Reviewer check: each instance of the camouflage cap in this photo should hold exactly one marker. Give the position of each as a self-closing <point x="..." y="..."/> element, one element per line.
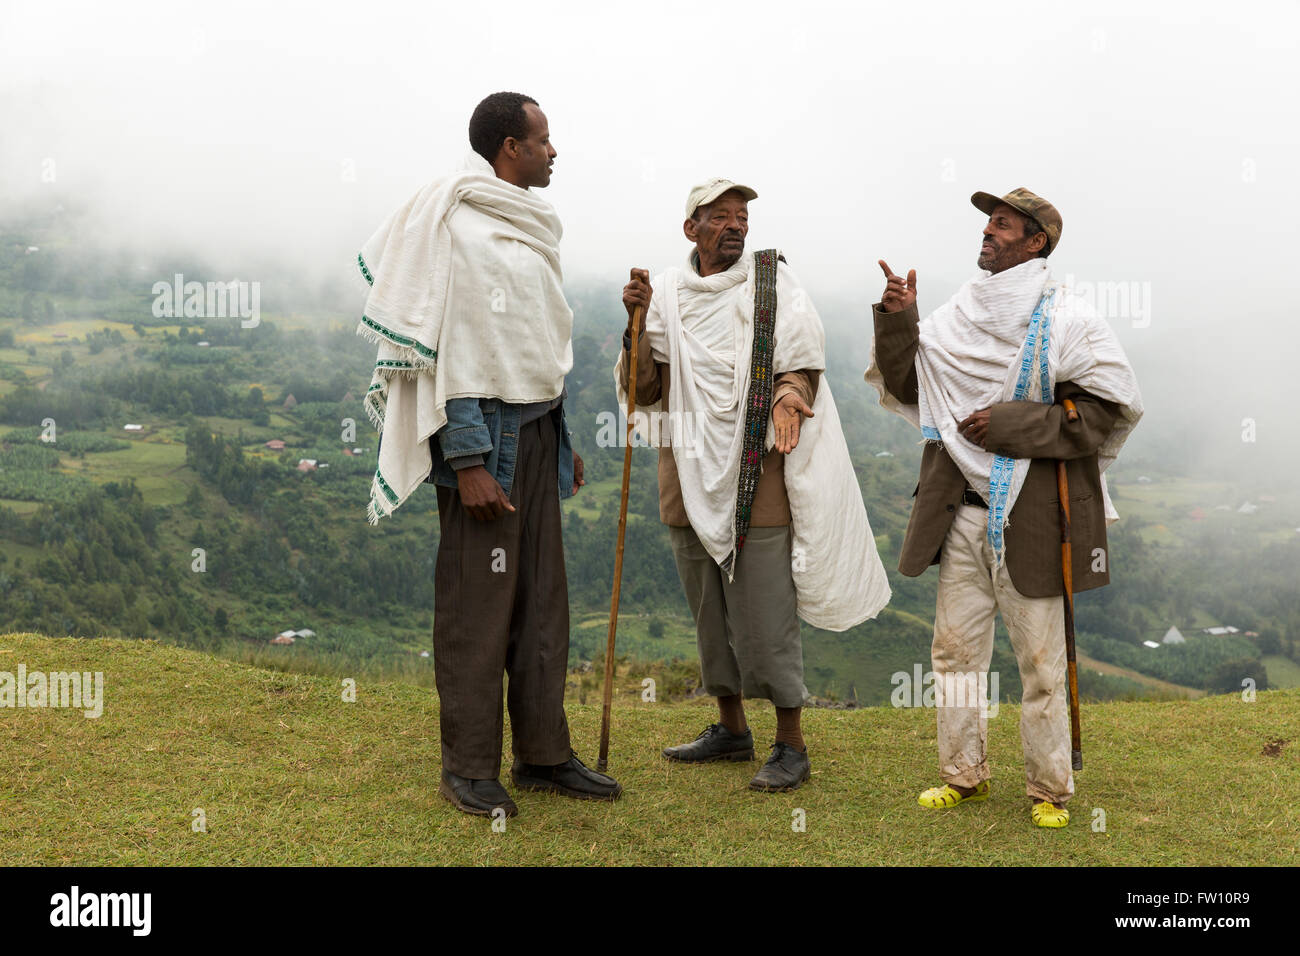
<point x="1022" y="200"/>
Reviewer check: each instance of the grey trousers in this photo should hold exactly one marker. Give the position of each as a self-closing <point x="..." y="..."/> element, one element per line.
<point x="501" y="607"/>
<point x="747" y="630"/>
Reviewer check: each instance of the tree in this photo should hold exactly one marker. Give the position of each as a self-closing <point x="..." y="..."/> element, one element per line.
<point x="1228" y="677"/>
<point x="1268" y="642"/>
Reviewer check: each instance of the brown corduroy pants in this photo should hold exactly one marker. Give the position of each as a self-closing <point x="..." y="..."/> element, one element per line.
<point x="501" y="607"/>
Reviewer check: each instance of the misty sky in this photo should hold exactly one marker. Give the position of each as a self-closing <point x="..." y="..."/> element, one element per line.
<point x="1165" y="133"/>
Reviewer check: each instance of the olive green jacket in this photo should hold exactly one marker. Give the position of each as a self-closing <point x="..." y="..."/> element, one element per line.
<point x="1017" y="430"/>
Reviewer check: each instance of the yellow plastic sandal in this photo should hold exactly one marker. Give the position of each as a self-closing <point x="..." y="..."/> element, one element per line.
<point x="1046" y="815"/>
<point x="938" y="798"/>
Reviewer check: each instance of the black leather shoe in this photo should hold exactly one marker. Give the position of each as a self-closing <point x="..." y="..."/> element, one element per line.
<point x="479" y="797"/>
<point x="571" y="779"/>
<point x="785" y="769"/>
<point x="715" y="743"/>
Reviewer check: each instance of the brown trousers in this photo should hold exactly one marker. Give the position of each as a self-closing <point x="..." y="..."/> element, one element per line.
<point x="501" y="606"/>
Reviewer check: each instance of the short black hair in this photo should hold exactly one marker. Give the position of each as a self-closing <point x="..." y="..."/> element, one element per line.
<point x="498" y="116"/>
<point x="1033" y="228"/>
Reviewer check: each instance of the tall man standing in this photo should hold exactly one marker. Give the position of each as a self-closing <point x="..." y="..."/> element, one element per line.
<point x="767" y="523"/>
<point x="984" y="377"/>
<point x="467" y="306"/>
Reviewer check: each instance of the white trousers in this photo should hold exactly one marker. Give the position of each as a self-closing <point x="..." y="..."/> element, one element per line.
<point x="971" y="592"/>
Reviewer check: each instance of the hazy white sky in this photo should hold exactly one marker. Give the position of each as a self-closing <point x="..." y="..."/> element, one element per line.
<point x="1165" y="133"/>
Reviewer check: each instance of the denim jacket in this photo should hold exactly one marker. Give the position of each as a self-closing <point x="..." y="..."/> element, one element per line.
<point x="490" y="427"/>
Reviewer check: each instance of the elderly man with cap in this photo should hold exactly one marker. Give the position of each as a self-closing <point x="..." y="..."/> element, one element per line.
<point x="985" y="377"/>
<point x="755" y="481"/>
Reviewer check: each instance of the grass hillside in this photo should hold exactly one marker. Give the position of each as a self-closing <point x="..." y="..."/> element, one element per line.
<point x="286" y="772"/>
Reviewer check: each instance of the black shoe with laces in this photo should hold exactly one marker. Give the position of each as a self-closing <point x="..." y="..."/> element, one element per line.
<point x="715" y="743"/>
<point x="571" y="779"/>
<point x="785" y="769"/>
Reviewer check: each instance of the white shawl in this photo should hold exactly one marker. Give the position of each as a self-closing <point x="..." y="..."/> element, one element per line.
<point x="983" y="344"/>
<point x="465" y="300"/>
<point x="703" y="328"/>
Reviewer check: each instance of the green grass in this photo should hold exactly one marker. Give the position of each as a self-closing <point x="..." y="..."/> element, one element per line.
<point x="589" y="499"/>
<point x="285" y="772"/>
<point x="44" y="334"/>
<point x="591" y="631"/>
<point x="1282" y="671"/>
<point x="1167" y="505"/>
<point x="157" y="464"/>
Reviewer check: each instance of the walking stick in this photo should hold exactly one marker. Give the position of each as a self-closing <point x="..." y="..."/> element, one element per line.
<point x="602" y="761"/>
<point x="1067" y="569"/>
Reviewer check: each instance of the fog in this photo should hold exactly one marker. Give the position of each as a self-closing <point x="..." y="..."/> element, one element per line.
<point x="252" y="134"/>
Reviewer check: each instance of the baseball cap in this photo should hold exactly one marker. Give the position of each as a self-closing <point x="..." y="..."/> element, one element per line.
<point x="1022" y="200"/>
<point x="706" y="192"/>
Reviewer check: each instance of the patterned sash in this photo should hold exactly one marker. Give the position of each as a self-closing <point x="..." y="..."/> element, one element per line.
<point x="758" y="406"/>
<point x="1037" y="341"/>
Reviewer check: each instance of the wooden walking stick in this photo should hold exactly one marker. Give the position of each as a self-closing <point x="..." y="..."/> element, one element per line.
<point x="1067" y="575"/>
<point x="602" y="761"/>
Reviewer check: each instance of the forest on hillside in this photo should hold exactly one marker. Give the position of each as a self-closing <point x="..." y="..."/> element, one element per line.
<point x="192" y="530"/>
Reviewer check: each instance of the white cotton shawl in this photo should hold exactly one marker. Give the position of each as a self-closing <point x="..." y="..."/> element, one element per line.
<point x="971" y="354"/>
<point x="465" y="300"/>
<point x="703" y="328"/>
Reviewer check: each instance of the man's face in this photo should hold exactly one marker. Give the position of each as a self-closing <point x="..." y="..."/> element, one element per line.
<point x="719" y="229"/>
<point x="536" y="154"/>
<point x="1005" y="243"/>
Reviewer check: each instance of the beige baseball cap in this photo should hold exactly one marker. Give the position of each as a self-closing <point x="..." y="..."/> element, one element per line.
<point x="705" y="193"/>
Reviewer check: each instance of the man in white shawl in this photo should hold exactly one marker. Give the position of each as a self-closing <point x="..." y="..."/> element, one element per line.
<point x="466" y="303"/>
<point x="984" y="377"/>
<point x="755" y="481"/>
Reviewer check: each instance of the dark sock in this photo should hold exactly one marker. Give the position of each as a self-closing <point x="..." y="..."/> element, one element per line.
<point x="731" y="712"/>
<point x="787" y="727"/>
